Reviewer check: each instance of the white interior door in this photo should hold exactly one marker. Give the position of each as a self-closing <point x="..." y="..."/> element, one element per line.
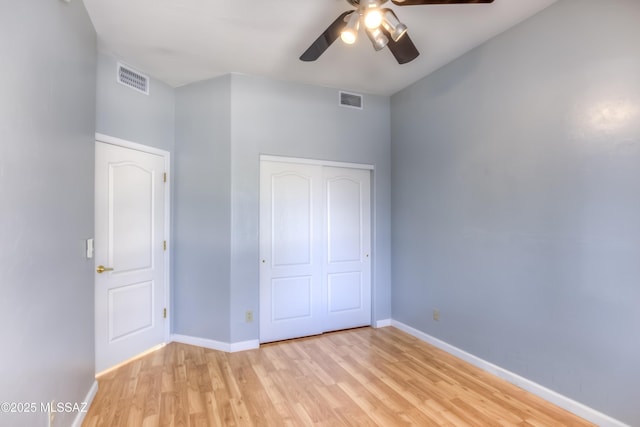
<point x="129" y="245"/>
<point x="315" y="239"/>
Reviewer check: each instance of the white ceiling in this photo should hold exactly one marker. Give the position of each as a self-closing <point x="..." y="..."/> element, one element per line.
<point x="182" y="41"/>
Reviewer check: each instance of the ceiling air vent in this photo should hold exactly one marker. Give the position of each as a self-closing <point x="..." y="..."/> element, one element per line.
<point x="351" y="100"/>
<point x="133" y="79"/>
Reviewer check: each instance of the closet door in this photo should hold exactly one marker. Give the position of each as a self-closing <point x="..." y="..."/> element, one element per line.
<point x="315" y="246"/>
<point x="347" y="267"/>
<point x="291" y="251"/>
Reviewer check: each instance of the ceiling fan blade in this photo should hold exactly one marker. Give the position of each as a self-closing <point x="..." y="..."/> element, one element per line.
<point x="403" y="50"/>
<point x="419" y="2"/>
<point x="325" y="40"/>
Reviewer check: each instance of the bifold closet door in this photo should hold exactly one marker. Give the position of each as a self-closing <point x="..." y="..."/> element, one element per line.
<point x="315" y="243"/>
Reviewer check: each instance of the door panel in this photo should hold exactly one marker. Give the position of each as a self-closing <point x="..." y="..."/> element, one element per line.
<point x="292" y="298"/>
<point x="130" y="310"/>
<point x="291" y="222"/>
<point x="345" y="291"/>
<point x="344" y="220"/>
<point x="130" y="223"/>
<point x="129" y="237"/>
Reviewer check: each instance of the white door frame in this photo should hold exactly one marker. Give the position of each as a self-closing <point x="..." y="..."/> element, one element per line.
<point x="331" y="163"/>
<point x="99" y="137"/>
<point x="303" y="161"/>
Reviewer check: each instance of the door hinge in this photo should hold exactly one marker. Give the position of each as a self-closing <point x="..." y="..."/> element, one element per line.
<point x="165" y="177"/>
<point x="164" y="245"/>
<point x="164" y="313"/>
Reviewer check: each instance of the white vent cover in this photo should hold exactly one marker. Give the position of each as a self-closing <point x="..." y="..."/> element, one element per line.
<point x="133" y="79"/>
<point x="351" y="100"/>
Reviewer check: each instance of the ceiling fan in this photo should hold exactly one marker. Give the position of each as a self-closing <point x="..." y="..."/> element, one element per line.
<point x="381" y="25"/>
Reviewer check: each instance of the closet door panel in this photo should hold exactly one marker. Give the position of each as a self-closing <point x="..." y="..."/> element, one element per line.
<point x="290" y="229"/>
<point x="347" y="269"/>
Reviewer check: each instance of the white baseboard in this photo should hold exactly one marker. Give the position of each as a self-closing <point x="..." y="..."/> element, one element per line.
<point x="216" y="345"/>
<point x="87" y="399"/>
<point x="244" y="345"/>
<point x="383" y="323"/>
<point x="201" y="342"/>
<point x="549" y="395"/>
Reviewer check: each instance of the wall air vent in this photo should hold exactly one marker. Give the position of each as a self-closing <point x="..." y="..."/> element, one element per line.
<point x="350" y="100"/>
<point x="133" y="79"/>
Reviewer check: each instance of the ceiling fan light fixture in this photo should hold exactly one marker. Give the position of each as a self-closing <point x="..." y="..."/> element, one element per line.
<point x="378" y="38"/>
<point x="349" y="33"/>
<point x="381" y="25"/>
<point x="393" y="26"/>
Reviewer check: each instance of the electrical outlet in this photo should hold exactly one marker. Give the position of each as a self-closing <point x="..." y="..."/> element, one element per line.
<point x="248" y="316"/>
<point x="436" y="314"/>
<point x="52" y="412"/>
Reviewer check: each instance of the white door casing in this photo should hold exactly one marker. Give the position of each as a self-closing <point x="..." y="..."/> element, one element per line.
<point x="130" y="221"/>
<point x="315" y="241"/>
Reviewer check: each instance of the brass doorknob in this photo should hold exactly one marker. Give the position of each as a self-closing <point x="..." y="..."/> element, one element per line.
<point x="101" y="269"/>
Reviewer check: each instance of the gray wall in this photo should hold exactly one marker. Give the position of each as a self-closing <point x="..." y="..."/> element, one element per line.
<point x="287" y="119"/>
<point x="47" y="121"/>
<point x="516" y="202"/>
<point x="125" y="113"/>
<point x="202" y="210"/>
<point x="222" y="127"/>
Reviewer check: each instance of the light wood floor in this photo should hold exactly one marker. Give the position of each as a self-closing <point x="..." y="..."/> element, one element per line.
<point x="360" y="377"/>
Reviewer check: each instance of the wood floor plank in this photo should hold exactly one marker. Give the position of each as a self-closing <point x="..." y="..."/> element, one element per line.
<point x="359" y="377"/>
